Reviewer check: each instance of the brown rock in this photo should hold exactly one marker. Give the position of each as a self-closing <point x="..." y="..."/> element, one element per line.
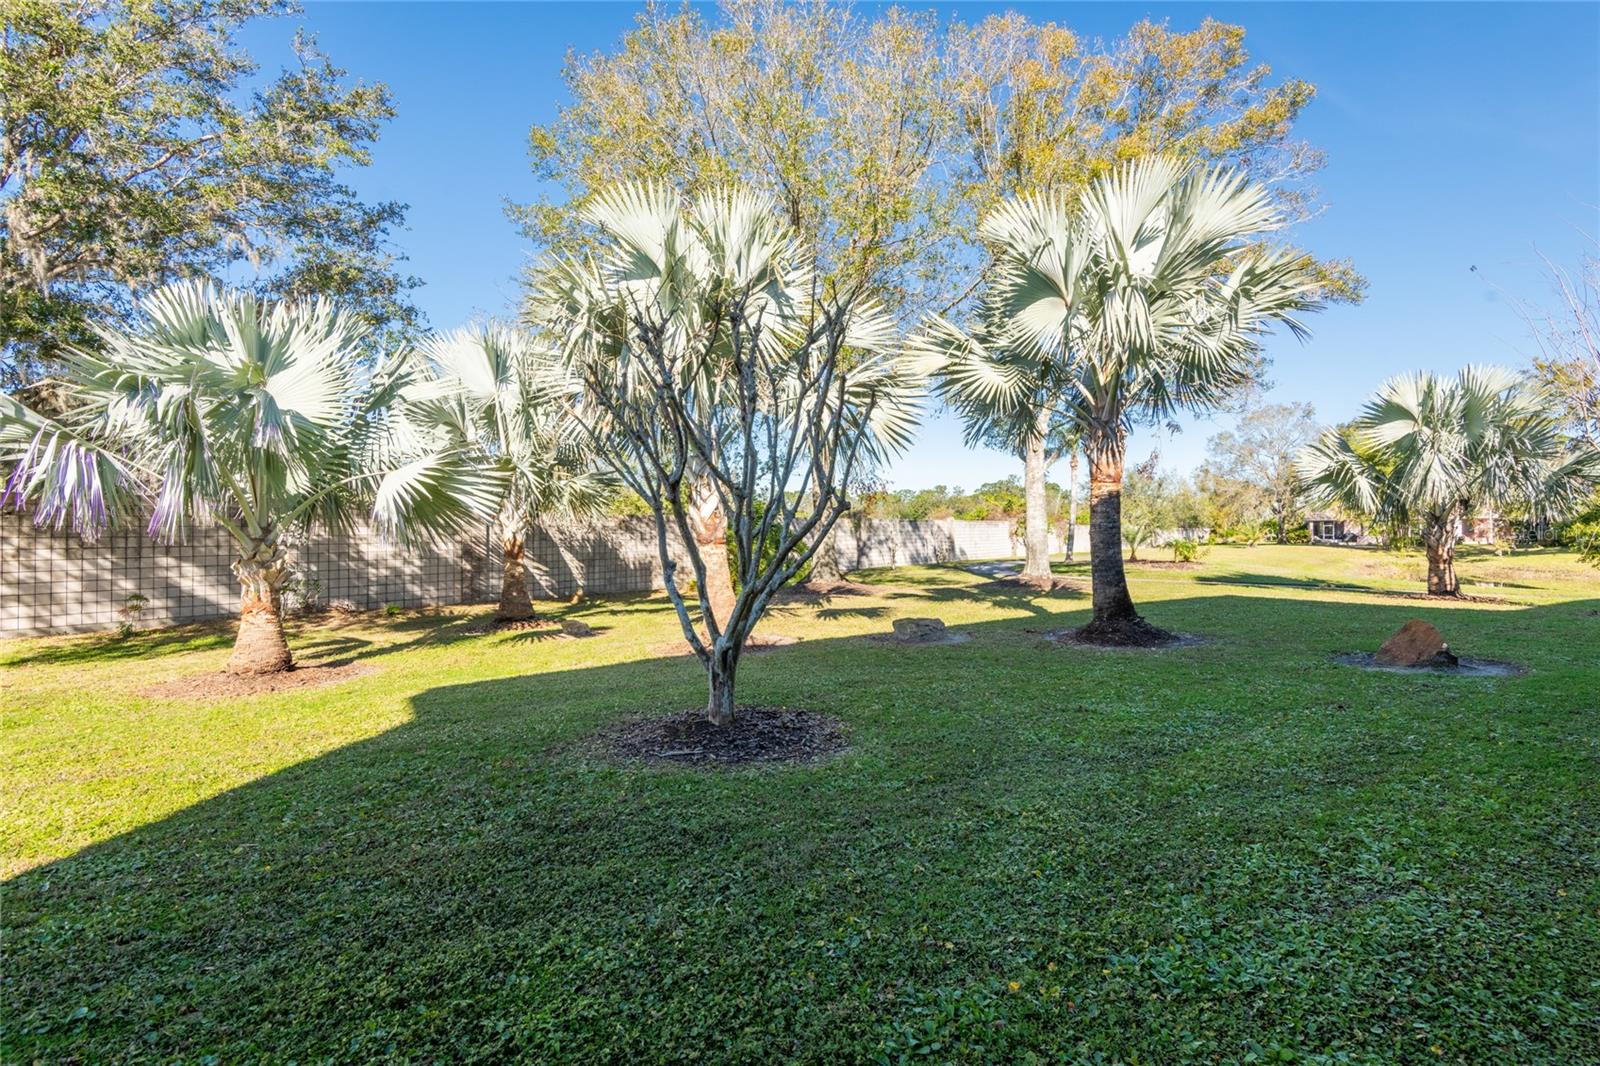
<point x="574" y="628"/>
<point x="919" y="630"/>
<point x="1415" y="644"/>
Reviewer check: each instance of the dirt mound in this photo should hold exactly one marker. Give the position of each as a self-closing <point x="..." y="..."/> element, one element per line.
<point x="757" y="735"/>
<point x="757" y="644"/>
<point x="1415" y="644"/>
<point x="219" y="686"/>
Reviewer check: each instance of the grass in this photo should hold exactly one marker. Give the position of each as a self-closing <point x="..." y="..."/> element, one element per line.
<point x="1230" y="853"/>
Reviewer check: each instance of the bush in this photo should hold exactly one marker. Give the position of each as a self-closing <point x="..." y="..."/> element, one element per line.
<point x="1185" y="551"/>
<point x="1582" y="534"/>
<point x="1299" y="535"/>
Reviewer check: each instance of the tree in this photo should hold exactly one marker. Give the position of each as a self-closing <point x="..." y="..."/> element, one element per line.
<point x="1430" y="451"/>
<point x="1040" y="439"/>
<point x="1149" y="505"/>
<point x="712" y="355"/>
<point x="134" y="151"/>
<point x="492" y="391"/>
<point x="1567" y="363"/>
<point x="254" y="415"/>
<point x="1228" y="506"/>
<point x="1260" y="452"/>
<point x="1144" y="297"/>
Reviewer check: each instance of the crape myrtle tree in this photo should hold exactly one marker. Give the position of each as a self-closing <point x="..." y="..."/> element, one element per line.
<point x="493" y="392"/>
<point x="1429" y="451"/>
<point x="1145" y="296"/>
<point x="219" y="407"/>
<point x="716" y="364"/>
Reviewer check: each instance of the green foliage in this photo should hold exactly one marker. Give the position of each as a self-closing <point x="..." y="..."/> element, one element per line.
<point x="1582" y="534"/>
<point x="1185" y="551"/>
<point x="766" y="555"/>
<point x="1209" y="856"/>
<point x="888" y="183"/>
<point x="139" y="147"/>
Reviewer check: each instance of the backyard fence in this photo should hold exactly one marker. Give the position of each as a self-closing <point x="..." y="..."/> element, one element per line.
<point x="58" y="583"/>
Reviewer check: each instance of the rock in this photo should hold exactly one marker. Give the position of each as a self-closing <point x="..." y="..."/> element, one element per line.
<point x="1415" y="644"/>
<point x="919" y="630"/>
<point x="574" y="628"/>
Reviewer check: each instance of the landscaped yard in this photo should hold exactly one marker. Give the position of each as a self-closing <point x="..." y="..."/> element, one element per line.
<point x="1240" y="849"/>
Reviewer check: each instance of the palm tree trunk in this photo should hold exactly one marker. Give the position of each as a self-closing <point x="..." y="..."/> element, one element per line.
<point x="1036" y="518"/>
<point x="260" y="647"/>
<point x="709" y="526"/>
<point x="825" y="570"/>
<point x="1115" y="620"/>
<point x="515" y="603"/>
<point x="1072" y="506"/>
<point x="1440" y="541"/>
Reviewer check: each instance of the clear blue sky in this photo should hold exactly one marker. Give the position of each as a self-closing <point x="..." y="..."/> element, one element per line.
<point x="1457" y="136"/>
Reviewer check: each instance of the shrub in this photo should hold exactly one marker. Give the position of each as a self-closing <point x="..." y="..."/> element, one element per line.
<point x="1185" y="551"/>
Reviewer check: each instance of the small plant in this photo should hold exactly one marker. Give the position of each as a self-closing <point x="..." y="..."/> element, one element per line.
<point x="131" y="608"/>
<point x="302" y="595"/>
<point x="391" y="609"/>
<point x="1185" y="551"/>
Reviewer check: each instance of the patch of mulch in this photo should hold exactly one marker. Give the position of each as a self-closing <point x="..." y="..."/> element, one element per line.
<point x="757" y="736"/>
<point x="222" y="685"/>
<point x="1140" y="636"/>
<point x="755" y="644"/>
<point x="1465" y="666"/>
<point x="1056" y="586"/>
<point x="1161" y="564"/>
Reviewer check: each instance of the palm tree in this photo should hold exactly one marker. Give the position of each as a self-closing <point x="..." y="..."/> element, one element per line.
<point x="1430" y="451"/>
<point x="493" y="392"/>
<point x="254" y="415"/>
<point x="1146" y="296"/>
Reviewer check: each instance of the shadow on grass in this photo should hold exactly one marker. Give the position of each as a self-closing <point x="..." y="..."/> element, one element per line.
<point x="456" y="888"/>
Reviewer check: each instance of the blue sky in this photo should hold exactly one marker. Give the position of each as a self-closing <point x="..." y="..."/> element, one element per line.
<point x="1458" y="136"/>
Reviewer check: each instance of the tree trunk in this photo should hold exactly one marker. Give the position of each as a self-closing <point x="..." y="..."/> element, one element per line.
<point x="1115" y="620"/>
<point x="825" y="571"/>
<point x="709" y="525"/>
<point x="1072" y="506"/>
<point x="720" y="673"/>
<point x="260" y="647"/>
<point x="1440" y="542"/>
<point x="515" y="603"/>
<point x="1036" y="520"/>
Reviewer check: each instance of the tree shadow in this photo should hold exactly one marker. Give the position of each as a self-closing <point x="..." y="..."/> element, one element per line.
<point x="441" y="890"/>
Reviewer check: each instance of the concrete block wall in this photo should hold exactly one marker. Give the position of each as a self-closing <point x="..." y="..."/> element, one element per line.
<point x="57" y="583"/>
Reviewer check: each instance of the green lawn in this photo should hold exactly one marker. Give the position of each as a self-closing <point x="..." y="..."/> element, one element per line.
<point x="1228" y="853"/>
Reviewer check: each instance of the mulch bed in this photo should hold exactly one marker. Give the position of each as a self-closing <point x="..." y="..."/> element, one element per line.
<point x="757" y="736"/>
<point x="1465" y="666"/>
<point x="1161" y="564"/>
<point x="223" y="685"/>
<point x="1145" y="638"/>
<point x="1056" y="586"/>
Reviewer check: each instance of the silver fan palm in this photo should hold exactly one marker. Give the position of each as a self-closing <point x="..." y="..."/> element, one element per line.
<point x="218" y="407"/>
<point x="1429" y="451"/>
<point x="1147" y="296"/>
